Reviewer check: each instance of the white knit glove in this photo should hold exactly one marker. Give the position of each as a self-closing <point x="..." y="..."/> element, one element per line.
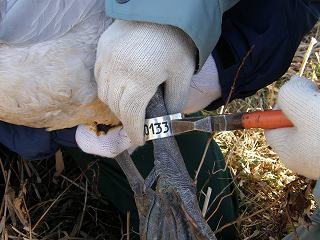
<point x="105" y="145"/>
<point x="299" y="147"/>
<point x="133" y="59"/>
<point x="204" y="88"/>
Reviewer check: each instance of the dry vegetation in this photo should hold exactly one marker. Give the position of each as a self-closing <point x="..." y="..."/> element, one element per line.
<point x="37" y="205"/>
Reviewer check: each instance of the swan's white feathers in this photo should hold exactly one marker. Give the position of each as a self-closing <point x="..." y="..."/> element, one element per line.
<point x="50" y="83"/>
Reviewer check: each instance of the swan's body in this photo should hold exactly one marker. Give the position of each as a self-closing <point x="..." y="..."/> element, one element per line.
<point x="49" y="83"/>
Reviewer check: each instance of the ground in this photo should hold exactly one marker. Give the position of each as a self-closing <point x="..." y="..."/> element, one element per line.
<point x="269" y="193"/>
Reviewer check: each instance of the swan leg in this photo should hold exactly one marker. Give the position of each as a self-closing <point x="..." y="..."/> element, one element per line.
<point x="172" y="211"/>
<point x="180" y="214"/>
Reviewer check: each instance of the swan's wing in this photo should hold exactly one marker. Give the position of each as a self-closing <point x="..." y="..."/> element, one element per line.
<point x="31" y="21"/>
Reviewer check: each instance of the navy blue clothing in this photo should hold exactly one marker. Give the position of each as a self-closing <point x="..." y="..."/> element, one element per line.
<point x="274" y="27"/>
<point x="35" y="143"/>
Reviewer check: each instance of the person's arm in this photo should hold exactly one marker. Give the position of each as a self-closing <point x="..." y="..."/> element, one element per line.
<point x="200" y="20"/>
<point x="273" y="29"/>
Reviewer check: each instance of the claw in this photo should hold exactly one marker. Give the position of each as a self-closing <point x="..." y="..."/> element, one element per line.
<point x="151" y="179"/>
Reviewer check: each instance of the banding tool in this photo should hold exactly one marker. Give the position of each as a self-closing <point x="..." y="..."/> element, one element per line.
<point x="175" y="124"/>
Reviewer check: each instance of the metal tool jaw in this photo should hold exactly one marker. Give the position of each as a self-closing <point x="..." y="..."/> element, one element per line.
<point x="202" y="124"/>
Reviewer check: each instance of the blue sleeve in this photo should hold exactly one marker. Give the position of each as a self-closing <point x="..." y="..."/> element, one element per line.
<point x="274" y="28"/>
<point x="200" y="19"/>
<point x="35" y="143"/>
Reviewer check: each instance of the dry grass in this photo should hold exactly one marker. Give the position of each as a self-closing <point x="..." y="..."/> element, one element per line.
<point x="38" y="205"/>
<point x="72" y="209"/>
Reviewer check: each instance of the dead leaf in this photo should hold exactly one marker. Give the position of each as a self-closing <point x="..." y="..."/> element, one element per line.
<point x="9" y="199"/>
<point x="59" y="163"/>
<point x="20" y="211"/>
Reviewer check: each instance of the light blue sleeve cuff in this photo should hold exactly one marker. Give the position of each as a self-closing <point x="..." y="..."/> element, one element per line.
<point x="200" y="19"/>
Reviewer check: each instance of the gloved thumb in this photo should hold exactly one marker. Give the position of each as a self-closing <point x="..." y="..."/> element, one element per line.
<point x="177" y="88"/>
<point x="109" y="145"/>
<point x="278" y="140"/>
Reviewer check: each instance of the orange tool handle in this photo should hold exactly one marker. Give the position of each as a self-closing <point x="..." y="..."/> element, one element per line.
<point x="266" y="119"/>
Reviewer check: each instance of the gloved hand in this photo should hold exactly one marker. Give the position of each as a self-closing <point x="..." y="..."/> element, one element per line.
<point x="299" y="147"/>
<point x="109" y="145"/>
<point x="133" y="59"/>
<point x="204" y="88"/>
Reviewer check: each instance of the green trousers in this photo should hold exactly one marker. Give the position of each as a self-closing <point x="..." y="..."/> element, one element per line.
<point x="113" y="185"/>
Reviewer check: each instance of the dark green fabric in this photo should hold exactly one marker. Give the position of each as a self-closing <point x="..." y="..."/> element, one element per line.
<point x="114" y="187"/>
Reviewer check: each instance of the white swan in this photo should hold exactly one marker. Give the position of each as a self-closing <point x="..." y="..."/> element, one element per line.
<point x="47" y="55"/>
